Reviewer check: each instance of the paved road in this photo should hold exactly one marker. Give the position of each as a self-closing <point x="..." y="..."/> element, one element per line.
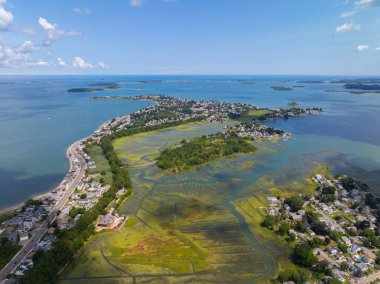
<point x="330" y="221"/>
<point x="368" y="279"/>
<point x="42" y="230"/>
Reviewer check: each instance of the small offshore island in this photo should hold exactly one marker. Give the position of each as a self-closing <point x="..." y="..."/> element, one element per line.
<point x="185" y="229"/>
<point x="95" y="88"/>
<point x="282" y="88"/>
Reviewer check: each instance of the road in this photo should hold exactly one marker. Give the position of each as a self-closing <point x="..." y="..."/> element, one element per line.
<point x="327" y="257"/>
<point x="328" y="219"/>
<point x="42" y="230"/>
<point x="370" y="278"/>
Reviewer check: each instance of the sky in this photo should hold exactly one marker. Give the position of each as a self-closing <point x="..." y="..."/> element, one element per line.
<point x="164" y="37"/>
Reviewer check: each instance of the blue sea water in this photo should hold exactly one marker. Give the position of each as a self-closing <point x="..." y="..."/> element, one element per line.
<point x="39" y="119"/>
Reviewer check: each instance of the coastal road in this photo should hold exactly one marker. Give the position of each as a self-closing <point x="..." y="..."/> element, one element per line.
<point x="42" y="230"/>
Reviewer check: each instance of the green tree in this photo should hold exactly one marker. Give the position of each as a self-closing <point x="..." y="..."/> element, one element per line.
<point x="343" y="247"/>
<point x="344" y="266"/>
<point x="303" y="256"/>
<point x="301" y="227"/>
<point x="295" y="203"/>
<point x="284" y="228"/>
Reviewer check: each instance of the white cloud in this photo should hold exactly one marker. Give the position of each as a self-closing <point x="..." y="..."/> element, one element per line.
<point x="363" y="4"/>
<point x="136" y="3"/>
<point x="347" y="27"/>
<point x="29" y="31"/>
<point x="360" y="5"/>
<point x="20" y="57"/>
<point x="6" y="17"/>
<point x="38" y="63"/>
<point x="27" y="47"/>
<point x="53" y="32"/>
<point x="79" y="62"/>
<point x="78" y="10"/>
<point x="61" y="62"/>
<point x="378" y="48"/>
<point x="102" y="65"/>
<point x="347" y="14"/>
<point x="362" y="47"/>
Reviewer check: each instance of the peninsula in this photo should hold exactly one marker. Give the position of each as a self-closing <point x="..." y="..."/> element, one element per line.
<point x="88" y="200"/>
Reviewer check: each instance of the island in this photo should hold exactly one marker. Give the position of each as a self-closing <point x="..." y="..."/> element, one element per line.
<point x="311" y="82"/>
<point x="353" y="81"/>
<point x="293" y="104"/>
<point x="106" y="85"/>
<point x="201" y="151"/>
<point x="363" y="87"/>
<point x="150" y="81"/>
<point x="83" y="90"/>
<point x="95" y="88"/>
<point x="282" y="88"/>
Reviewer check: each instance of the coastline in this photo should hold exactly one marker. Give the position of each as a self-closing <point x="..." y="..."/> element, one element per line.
<point x="149" y="98"/>
<point x="52" y="215"/>
<point x="12" y="208"/>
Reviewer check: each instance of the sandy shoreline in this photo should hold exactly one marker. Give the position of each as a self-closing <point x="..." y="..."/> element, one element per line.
<point x="11" y="208"/>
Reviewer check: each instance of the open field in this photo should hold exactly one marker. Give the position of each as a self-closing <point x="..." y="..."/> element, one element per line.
<point x="200" y="226"/>
<point x="254" y="114"/>
<point x="102" y="164"/>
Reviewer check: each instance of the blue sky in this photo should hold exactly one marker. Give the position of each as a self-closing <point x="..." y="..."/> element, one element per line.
<point x="337" y="37"/>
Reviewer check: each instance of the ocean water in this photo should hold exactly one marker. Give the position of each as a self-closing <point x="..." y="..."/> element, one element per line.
<point x="39" y="119"/>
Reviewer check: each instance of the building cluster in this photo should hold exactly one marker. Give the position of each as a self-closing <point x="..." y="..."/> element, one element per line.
<point x="256" y="131"/>
<point x="346" y="226"/>
<point x="28" y="218"/>
<point x="285" y="113"/>
<point x="170" y="109"/>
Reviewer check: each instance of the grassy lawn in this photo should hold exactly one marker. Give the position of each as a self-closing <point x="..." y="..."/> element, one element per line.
<point x="102" y="164"/>
<point x="254" y="114"/>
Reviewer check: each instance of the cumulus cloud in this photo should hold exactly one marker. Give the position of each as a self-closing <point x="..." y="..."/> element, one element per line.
<point x="6" y="17"/>
<point x="53" y="32"/>
<point x="27" y="47"/>
<point x="19" y="57"/>
<point x="362" y="47"/>
<point x="61" y="62"/>
<point x="38" y="63"/>
<point x="347" y="27"/>
<point x="79" y="62"/>
<point x="360" y="5"/>
<point x="136" y="3"/>
<point x="78" y="10"/>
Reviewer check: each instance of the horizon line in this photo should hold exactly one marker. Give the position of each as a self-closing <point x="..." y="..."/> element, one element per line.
<point x="167" y="75"/>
